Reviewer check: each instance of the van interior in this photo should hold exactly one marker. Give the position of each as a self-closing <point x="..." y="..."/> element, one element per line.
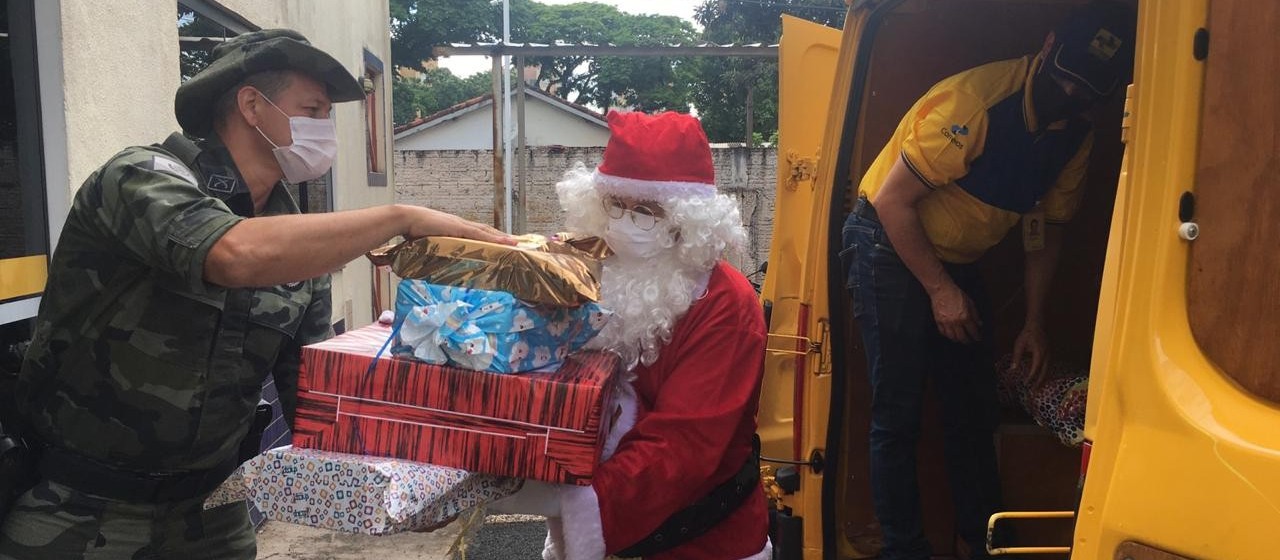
<point x="912" y="45"/>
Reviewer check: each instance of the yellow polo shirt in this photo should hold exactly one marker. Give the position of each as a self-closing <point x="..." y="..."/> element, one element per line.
<point x="972" y="138"/>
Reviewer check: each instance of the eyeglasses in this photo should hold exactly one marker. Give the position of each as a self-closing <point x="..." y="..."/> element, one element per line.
<point x="644" y="215"/>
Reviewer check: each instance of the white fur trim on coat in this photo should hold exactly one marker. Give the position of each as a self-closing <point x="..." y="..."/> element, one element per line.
<point x="644" y="189"/>
<point x="553" y="547"/>
<point x="579" y="534"/>
<point x="625" y="401"/>
<point x="765" y="553"/>
<point x="583" y="536"/>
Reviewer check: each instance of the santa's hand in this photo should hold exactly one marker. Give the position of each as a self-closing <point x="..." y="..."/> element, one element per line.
<point x="533" y="498"/>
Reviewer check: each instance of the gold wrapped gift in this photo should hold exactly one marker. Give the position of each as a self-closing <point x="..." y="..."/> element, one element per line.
<point x="564" y="272"/>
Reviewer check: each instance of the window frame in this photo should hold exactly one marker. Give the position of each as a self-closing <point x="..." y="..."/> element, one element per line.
<point x="220" y="14"/>
<point x="376" y="148"/>
<point x="233" y="23"/>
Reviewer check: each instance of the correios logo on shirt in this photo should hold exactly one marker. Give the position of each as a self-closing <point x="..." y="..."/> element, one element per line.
<point x="954" y="133"/>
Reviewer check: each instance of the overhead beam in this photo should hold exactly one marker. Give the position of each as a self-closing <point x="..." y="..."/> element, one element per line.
<point x="498" y="49"/>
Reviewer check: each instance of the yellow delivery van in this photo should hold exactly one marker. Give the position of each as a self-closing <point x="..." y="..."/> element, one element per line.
<point x="1167" y="294"/>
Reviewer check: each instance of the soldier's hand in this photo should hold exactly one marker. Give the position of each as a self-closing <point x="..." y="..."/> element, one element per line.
<point x="423" y="222"/>
<point x="956" y="315"/>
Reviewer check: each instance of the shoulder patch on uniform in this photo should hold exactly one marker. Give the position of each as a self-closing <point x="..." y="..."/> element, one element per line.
<point x="171" y="167"/>
<point x="222" y="184"/>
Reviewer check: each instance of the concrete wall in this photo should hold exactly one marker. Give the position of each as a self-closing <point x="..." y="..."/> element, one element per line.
<point x="545" y="125"/>
<point x="119" y="71"/>
<point x="461" y="182"/>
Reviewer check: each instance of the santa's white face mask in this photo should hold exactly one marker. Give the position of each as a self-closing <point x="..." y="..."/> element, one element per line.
<point x="630" y="242"/>
<point x="314" y="147"/>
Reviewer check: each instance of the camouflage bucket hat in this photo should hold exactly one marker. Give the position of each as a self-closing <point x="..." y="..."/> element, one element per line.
<point x="259" y="51"/>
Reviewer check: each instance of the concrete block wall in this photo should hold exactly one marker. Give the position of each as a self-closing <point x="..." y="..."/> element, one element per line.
<point x="461" y="182"/>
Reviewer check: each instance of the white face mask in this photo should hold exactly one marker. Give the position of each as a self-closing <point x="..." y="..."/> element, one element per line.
<point x="632" y="243"/>
<point x="314" y="147"/>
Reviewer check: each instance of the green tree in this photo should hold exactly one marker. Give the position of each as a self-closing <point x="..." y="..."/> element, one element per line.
<point x="650" y="84"/>
<point x="193" y="59"/>
<point x="437" y="89"/>
<point x="417" y="26"/>
<point x="646" y="83"/>
<point x="723" y="84"/>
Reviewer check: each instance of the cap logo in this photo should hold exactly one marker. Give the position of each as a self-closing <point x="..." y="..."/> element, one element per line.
<point x="1104" y="45"/>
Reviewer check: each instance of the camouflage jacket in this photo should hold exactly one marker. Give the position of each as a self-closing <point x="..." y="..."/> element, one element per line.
<point x="137" y="362"/>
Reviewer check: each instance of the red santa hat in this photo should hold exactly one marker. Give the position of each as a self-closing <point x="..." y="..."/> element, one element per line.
<point x="653" y="157"/>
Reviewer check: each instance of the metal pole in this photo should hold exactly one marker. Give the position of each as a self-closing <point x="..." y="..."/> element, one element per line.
<point x="522" y="195"/>
<point x="499" y="200"/>
<point x="750" y="114"/>
<point x="506" y="115"/>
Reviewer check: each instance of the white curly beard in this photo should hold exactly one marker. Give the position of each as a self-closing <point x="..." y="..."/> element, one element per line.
<point x="646" y="305"/>
<point x="649" y="297"/>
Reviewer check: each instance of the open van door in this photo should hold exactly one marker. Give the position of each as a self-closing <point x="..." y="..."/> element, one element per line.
<point x="1185" y="398"/>
<point x="797" y="361"/>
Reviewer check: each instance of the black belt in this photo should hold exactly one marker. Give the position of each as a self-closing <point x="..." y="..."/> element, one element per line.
<point x="91" y="477"/>
<point x="704" y="514"/>
<point x="863" y="209"/>
<point x="16" y="472"/>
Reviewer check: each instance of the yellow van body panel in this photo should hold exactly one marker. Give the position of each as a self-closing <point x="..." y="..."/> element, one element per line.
<point x="797" y="263"/>
<point x="1183" y="459"/>
<point x="23" y="276"/>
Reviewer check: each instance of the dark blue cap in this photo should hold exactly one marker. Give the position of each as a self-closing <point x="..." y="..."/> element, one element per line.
<point x="1094" y="46"/>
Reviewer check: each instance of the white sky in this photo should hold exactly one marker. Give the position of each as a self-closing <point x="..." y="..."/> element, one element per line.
<point x="463" y="66"/>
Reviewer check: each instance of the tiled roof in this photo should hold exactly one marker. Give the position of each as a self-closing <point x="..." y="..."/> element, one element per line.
<point x="583" y="111"/>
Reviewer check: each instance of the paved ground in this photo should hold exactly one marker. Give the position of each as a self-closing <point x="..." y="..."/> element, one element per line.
<point x="503" y="537"/>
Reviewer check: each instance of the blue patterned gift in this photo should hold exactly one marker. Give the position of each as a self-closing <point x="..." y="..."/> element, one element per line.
<point x="487" y="330"/>
<point x="358" y="494"/>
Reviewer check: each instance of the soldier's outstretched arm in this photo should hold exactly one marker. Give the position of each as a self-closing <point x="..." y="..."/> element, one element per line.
<point x="279" y="249"/>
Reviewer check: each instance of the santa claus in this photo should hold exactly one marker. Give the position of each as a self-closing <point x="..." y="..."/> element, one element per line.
<point x="680" y="477"/>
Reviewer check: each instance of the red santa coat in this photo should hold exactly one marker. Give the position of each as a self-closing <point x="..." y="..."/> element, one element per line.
<point x="693" y="430"/>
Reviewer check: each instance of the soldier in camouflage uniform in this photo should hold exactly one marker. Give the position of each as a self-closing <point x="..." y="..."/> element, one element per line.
<point x="183" y="277"/>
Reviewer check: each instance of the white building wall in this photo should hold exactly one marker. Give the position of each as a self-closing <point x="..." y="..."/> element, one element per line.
<point x="472" y="130"/>
<point x="118" y="79"/>
<point x="545" y="125"/>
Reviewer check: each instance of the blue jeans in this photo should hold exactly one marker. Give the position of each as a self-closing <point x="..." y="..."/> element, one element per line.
<point x="904" y="347"/>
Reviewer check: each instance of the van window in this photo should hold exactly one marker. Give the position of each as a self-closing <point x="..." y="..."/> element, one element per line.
<point x="24" y="234"/>
<point x="1235" y="265"/>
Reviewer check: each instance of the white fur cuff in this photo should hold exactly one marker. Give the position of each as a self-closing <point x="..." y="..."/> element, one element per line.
<point x="583" y="529"/>
<point x="553" y="547"/>
<point x="625" y="402"/>
<point x="765" y="554"/>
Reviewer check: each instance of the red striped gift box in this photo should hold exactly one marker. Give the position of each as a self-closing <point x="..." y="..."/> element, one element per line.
<point x="543" y="426"/>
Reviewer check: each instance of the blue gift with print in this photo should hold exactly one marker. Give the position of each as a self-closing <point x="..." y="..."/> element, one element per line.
<point x="487" y="330"/>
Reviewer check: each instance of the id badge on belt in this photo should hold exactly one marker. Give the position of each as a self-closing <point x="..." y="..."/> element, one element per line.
<point x="1033" y="230"/>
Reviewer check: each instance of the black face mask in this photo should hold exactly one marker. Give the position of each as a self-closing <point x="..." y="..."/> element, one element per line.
<point x="1051" y="103"/>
